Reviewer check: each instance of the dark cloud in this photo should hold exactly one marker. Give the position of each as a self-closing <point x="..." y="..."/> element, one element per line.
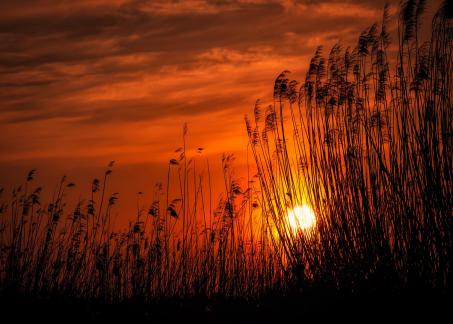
<point x="125" y="61"/>
<point x="91" y="33"/>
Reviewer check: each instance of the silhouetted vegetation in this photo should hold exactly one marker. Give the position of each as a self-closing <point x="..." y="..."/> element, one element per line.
<point x="365" y="140"/>
<point x="369" y="147"/>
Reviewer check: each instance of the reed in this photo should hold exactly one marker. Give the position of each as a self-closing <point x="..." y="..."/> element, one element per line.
<point x="180" y="248"/>
<point x="366" y="141"/>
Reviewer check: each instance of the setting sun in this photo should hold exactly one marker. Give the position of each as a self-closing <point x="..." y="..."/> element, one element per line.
<point x="301" y="217"/>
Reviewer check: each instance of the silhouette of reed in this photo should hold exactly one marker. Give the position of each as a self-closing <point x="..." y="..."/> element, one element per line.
<point x="365" y="140"/>
<point x="367" y="146"/>
<point x="180" y="247"/>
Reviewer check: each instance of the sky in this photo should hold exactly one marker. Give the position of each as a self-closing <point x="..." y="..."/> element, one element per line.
<point x="86" y="82"/>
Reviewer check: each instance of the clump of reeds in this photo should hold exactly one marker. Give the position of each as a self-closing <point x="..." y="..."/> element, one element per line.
<point x="181" y="246"/>
<point x="366" y="140"/>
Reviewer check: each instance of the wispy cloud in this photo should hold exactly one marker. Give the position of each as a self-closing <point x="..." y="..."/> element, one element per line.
<point x="103" y="67"/>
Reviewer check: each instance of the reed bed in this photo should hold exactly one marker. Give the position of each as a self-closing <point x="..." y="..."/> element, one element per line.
<point x="365" y="141"/>
<point x="181" y="247"/>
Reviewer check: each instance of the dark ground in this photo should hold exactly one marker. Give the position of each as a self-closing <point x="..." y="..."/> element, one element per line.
<point x="404" y="305"/>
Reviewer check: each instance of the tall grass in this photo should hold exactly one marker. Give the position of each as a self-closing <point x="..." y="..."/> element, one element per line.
<point x="182" y="246"/>
<point x="369" y="147"/>
<point x="365" y="140"/>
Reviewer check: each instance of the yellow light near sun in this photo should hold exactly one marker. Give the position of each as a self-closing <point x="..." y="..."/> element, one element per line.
<point x="301" y="218"/>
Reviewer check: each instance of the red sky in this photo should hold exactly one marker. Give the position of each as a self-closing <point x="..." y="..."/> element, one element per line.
<point x="86" y="82"/>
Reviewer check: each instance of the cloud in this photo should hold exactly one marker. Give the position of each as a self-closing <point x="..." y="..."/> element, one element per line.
<point x="96" y="67"/>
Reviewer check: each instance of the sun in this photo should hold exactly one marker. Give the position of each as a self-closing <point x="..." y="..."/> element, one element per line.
<point x="301" y="217"/>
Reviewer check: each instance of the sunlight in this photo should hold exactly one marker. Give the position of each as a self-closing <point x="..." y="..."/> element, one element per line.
<point x="301" y="217"/>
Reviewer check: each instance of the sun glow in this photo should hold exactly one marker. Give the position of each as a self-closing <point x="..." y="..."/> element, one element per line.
<point x="301" y="217"/>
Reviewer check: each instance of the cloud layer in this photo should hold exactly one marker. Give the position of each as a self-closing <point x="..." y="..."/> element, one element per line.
<point x="100" y="78"/>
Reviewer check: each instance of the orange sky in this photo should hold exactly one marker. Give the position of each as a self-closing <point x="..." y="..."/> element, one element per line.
<point x="86" y="82"/>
